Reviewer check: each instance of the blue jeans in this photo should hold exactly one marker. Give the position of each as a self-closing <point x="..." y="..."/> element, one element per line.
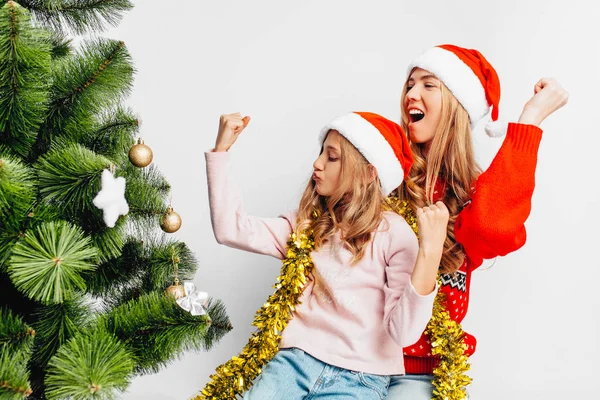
<point x="295" y="375"/>
<point x="411" y="387"/>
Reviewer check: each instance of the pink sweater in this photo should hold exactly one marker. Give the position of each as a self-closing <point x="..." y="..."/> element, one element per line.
<point x="354" y="317"/>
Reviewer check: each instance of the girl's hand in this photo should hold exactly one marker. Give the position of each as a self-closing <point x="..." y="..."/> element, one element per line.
<point x="548" y="96"/>
<point x="432" y="222"/>
<point x="230" y="127"/>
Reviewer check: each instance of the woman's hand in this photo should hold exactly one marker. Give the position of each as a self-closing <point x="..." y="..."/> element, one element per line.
<point x="230" y="127"/>
<point x="548" y="96"/>
<point x="432" y="222"/>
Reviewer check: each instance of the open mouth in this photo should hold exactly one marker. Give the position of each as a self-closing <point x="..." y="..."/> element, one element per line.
<point x="416" y="115"/>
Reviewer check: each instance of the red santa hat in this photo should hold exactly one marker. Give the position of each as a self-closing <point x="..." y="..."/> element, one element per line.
<point x="381" y="141"/>
<point x="470" y="78"/>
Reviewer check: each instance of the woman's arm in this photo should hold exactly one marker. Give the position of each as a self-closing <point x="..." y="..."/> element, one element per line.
<point x="411" y="273"/>
<point x="231" y="226"/>
<point x="493" y="223"/>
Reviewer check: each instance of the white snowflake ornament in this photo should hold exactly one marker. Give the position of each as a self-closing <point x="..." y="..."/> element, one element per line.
<point x="111" y="199"/>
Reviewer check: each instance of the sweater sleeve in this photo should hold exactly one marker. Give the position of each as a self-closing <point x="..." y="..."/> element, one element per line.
<point x="493" y="223"/>
<point x="406" y="312"/>
<point x="231" y="226"/>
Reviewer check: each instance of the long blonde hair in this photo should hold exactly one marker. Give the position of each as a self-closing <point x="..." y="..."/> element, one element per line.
<point x="355" y="208"/>
<point x="451" y="159"/>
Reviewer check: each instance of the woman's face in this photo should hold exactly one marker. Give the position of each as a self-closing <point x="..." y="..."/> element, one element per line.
<point x="328" y="166"/>
<point x="423" y="105"/>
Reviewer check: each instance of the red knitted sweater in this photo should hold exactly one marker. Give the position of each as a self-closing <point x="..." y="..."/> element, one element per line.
<point x="491" y="225"/>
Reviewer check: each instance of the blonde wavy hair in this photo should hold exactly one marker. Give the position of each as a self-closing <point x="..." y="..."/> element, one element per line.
<point x="355" y="208"/>
<point x="451" y="159"/>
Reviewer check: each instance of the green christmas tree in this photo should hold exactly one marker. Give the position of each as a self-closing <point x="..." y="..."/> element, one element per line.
<point x="83" y="307"/>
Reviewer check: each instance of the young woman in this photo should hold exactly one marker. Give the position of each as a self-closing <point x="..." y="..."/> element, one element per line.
<point x="372" y="288"/>
<point x="448" y="90"/>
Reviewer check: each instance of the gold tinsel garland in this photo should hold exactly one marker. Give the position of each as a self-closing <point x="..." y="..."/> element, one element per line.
<point x="445" y="335"/>
<point x="447" y="342"/>
<point x="236" y="375"/>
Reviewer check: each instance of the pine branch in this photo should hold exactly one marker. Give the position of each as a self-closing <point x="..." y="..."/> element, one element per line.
<point x="151" y="270"/>
<point x="113" y="135"/>
<point x="14" y="378"/>
<point x="124" y="294"/>
<point x="8" y="238"/>
<point x="17" y="196"/>
<point x="38" y="214"/>
<point x="17" y="192"/>
<point x="69" y="177"/>
<point x="112" y="276"/>
<point x="54" y="325"/>
<point x="92" y="365"/>
<point x="220" y="323"/>
<point x="108" y="241"/>
<point x="160" y="270"/>
<point x="47" y="263"/>
<point x="61" y="45"/>
<point x="24" y="77"/>
<point x="147" y="193"/>
<point x="156" y="329"/>
<point x="99" y="75"/>
<point x="79" y="16"/>
<point x="94" y="79"/>
<point x="15" y="336"/>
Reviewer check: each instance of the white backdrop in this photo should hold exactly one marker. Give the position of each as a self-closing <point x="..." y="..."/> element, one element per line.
<point x="292" y="66"/>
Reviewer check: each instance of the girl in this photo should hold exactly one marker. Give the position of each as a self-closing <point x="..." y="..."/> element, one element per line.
<point x="447" y="91"/>
<point x="372" y="287"/>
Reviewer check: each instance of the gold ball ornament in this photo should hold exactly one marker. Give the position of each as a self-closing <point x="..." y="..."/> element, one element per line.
<point x="176" y="290"/>
<point x="170" y="221"/>
<point x="140" y="154"/>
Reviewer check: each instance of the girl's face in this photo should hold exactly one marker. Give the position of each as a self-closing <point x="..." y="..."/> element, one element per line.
<point x="423" y="105"/>
<point x="328" y="166"/>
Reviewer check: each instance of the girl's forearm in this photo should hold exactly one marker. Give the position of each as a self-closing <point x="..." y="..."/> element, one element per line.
<point x="424" y="275"/>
